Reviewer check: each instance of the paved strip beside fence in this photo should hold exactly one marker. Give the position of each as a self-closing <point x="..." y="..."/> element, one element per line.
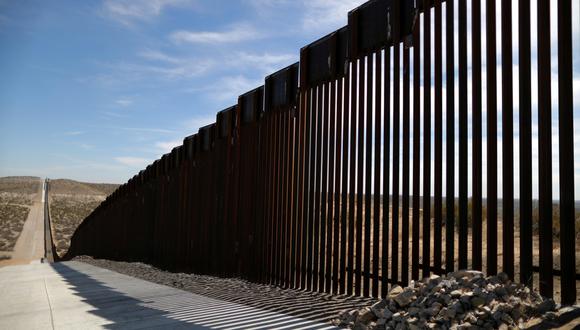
<point x="74" y="295"/>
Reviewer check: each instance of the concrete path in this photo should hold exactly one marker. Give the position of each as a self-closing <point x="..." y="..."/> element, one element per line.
<point x="30" y="244"/>
<point x="75" y="295"/>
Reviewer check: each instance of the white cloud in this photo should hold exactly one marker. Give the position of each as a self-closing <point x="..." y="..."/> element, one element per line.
<point x="145" y="130"/>
<point x="324" y="15"/>
<point x="236" y="33"/>
<point x="124" y="102"/>
<point x="128" y="11"/>
<point x="157" y="56"/>
<point x="265" y="62"/>
<point x="167" y="146"/>
<point x="73" y="133"/>
<point x="133" y="161"/>
<point x="195" y="123"/>
<point x="124" y="73"/>
<point x="227" y="89"/>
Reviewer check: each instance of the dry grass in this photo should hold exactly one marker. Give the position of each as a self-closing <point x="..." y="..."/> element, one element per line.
<point x="361" y="254"/>
<point x="12" y="218"/>
<point x="19" y="184"/>
<point x="71" y="187"/>
<point x="66" y="213"/>
<point x="16" y="196"/>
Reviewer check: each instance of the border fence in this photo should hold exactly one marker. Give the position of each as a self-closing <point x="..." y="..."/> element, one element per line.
<point x="339" y="174"/>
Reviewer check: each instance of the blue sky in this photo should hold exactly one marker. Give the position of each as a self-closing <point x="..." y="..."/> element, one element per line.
<point x="96" y="90"/>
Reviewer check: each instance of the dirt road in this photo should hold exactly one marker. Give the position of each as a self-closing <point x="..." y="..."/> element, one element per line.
<point x="29" y="247"/>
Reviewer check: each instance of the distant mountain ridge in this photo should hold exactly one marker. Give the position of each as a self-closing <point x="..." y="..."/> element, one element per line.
<point x="72" y="187"/>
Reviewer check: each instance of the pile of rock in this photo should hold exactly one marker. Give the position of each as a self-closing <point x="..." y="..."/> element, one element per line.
<point x="461" y="300"/>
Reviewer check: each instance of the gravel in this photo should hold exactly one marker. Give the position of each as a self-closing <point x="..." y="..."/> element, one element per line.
<point x="462" y="300"/>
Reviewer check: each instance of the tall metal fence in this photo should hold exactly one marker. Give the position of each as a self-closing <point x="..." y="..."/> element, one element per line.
<point x="344" y="172"/>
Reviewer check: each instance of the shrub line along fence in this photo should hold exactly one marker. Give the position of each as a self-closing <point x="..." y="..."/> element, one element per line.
<point x="306" y="182"/>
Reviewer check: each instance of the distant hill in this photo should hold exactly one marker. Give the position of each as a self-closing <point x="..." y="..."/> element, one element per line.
<point x="20" y="184"/>
<point x="71" y="187"/>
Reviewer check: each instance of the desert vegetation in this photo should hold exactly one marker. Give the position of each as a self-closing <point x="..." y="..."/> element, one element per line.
<point x="16" y="198"/>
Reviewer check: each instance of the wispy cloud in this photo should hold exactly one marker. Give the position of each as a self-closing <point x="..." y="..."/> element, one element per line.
<point x="228" y="88"/>
<point x="86" y="146"/>
<point x="264" y="62"/>
<point x="167" y="146"/>
<point x="110" y="115"/>
<point x="124" y="102"/>
<point x="195" y="123"/>
<point x="145" y="130"/>
<point x="128" y="11"/>
<point x="72" y="133"/>
<point x="236" y="33"/>
<point x="137" y="162"/>
<point x="158" y="56"/>
<point x="323" y="15"/>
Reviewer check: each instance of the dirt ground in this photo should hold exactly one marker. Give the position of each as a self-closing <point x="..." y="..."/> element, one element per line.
<point x="70" y="202"/>
<point x="16" y="196"/>
<point x="555" y="253"/>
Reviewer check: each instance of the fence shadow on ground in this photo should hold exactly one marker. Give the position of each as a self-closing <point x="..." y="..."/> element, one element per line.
<point x="128" y="303"/>
<point x="314" y="306"/>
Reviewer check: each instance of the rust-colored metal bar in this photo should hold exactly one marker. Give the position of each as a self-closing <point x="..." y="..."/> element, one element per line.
<point x="285" y="216"/>
<point x="345" y="184"/>
<point x="306" y="227"/>
<point x="438" y="170"/>
<point x="317" y="188"/>
<point x="311" y="137"/>
<point x="525" y="109"/>
<point x="507" y="139"/>
<point x="426" y="256"/>
<point x="491" y="72"/>
<point x="301" y="183"/>
<point x="377" y="174"/>
<point x="406" y="163"/>
<point x="416" y="149"/>
<point x="289" y="197"/>
<point x="462" y="77"/>
<point x="352" y="177"/>
<point x="295" y="179"/>
<point x="276" y="197"/>
<point x="545" y="149"/>
<point x="386" y="172"/>
<point x="265" y="124"/>
<point x="281" y="216"/>
<point x="331" y="227"/>
<point x="339" y="239"/>
<point x="273" y="183"/>
<point x="359" y="177"/>
<point x="477" y="182"/>
<point x="450" y="138"/>
<point x="396" y="156"/>
<point x="368" y="175"/>
<point x="330" y="190"/>
<point x="566" y="148"/>
<point x="324" y="189"/>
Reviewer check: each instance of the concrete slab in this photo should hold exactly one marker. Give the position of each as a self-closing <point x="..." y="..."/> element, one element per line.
<point x="74" y="295"/>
